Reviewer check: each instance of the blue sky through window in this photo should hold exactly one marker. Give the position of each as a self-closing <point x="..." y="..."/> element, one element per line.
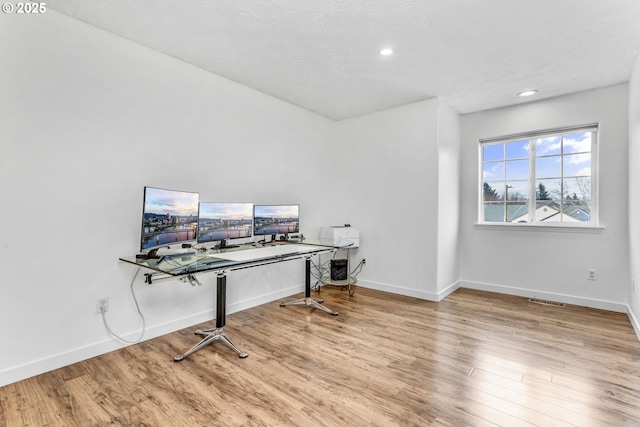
<point x="550" y="163"/>
<point x="517" y="150"/>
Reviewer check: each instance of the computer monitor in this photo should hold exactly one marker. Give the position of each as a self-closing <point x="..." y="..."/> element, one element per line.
<point x="276" y="219"/>
<point x="168" y="217"/>
<point x="220" y="221"/>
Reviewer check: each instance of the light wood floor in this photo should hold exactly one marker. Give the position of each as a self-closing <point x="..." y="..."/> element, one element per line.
<point x="476" y="358"/>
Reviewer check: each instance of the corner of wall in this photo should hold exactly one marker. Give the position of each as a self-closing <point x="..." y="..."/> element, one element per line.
<point x="633" y="198"/>
<point x="449" y="179"/>
<point x="634" y="322"/>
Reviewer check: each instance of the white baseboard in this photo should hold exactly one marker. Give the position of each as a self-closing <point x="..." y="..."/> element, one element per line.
<point x="449" y="290"/>
<point x="37" y="367"/>
<point x="530" y="293"/>
<point x="409" y="292"/>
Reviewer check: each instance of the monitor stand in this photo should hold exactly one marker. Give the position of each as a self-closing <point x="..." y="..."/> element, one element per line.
<point x="223" y="245"/>
<point x="283" y="238"/>
<point x="275" y="241"/>
<point x="152" y="254"/>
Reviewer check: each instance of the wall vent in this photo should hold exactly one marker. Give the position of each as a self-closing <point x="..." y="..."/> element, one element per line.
<point x="545" y="302"/>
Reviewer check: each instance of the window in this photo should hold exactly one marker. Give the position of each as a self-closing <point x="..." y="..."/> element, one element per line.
<point x="546" y="177"/>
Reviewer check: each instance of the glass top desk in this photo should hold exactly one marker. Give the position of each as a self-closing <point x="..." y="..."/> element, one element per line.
<point x="185" y="265"/>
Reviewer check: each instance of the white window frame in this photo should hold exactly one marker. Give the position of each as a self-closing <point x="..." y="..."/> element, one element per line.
<point x="593" y="224"/>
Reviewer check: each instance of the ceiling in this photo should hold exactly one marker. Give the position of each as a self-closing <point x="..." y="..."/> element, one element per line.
<point x="323" y="55"/>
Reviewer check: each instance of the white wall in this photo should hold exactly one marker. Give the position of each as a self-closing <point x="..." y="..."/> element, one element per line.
<point x="393" y="173"/>
<point x="87" y="120"/>
<point x="551" y="264"/>
<point x="634" y="195"/>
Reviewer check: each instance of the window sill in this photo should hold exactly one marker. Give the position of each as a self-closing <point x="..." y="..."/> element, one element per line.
<point x="540" y="227"/>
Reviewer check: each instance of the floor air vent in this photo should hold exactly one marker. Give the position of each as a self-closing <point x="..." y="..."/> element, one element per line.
<point x="545" y="302"/>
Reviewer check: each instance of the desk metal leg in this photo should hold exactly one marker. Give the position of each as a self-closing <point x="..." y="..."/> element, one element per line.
<point x="217" y="333"/>
<point x="307" y="300"/>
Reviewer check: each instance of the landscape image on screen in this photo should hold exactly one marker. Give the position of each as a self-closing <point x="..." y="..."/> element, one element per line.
<point x="168" y="217"/>
<point x="220" y="221"/>
<point x="276" y="219"/>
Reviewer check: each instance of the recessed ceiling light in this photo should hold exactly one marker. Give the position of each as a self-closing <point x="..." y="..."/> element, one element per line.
<point x="386" y="51"/>
<point x="528" y="93"/>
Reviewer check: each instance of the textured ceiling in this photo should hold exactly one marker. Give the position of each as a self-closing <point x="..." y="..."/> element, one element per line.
<point x="322" y="55"/>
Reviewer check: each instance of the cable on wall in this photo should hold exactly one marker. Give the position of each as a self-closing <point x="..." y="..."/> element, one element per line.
<point x="358" y="268"/>
<point x="135" y="300"/>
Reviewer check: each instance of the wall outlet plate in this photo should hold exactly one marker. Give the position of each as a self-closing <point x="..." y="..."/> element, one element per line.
<point x="102" y="305"/>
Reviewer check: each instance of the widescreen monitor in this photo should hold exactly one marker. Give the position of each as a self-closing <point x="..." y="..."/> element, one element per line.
<point x="219" y="221"/>
<point x="276" y="219"/>
<point x="168" y="217"/>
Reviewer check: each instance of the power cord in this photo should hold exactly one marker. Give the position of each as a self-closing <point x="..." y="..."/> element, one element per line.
<point x="135" y="300"/>
<point x="358" y="268"/>
<point x="319" y="271"/>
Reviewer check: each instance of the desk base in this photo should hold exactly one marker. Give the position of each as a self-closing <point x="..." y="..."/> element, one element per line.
<point x="311" y="303"/>
<point x="211" y="336"/>
<point x="307" y="300"/>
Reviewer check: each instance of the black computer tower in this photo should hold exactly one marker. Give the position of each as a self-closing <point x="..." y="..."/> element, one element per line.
<point x="339" y="269"/>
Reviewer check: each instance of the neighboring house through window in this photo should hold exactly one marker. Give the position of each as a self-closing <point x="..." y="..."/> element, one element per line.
<point x="540" y="177"/>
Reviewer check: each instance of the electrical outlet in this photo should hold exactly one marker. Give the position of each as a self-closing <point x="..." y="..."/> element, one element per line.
<point x="591" y="274"/>
<point x="102" y="305"/>
<point x="364" y="261"/>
